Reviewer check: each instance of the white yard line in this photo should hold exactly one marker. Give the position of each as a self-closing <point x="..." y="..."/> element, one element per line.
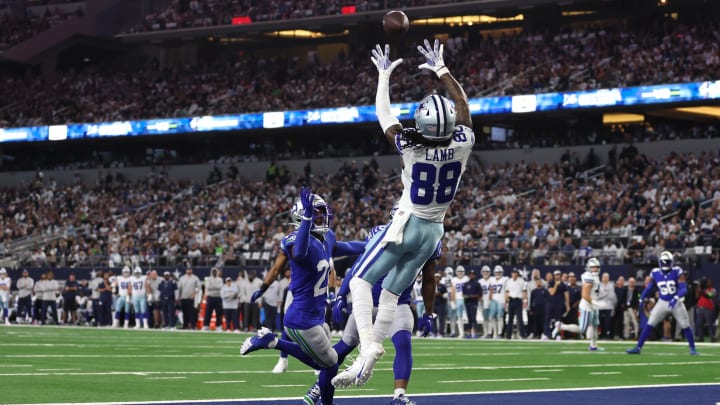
<point x="605" y="372"/>
<point x="493" y="380"/>
<point x="224" y="382"/>
<point x="284" y="385"/>
<point x="548" y="370"/>
<point x="664" y="375"/>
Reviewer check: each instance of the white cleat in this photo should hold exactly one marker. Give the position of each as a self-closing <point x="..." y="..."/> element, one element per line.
<point x="360" y="372"/>
<point x="281" y="366"/>
<point x="556" y="330"/>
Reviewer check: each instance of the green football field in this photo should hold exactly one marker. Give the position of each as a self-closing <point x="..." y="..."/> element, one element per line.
<point x="76" y="365"/>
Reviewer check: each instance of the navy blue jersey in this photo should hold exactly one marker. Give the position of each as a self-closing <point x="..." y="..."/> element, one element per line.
<point x="308" y="281"/>
<point x="666" y="282"/>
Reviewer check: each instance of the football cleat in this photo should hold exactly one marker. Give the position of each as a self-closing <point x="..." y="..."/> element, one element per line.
<point x="402" y="400"/>
<point x="313" y="395"/>
<point x="634" y="350"/>
<point x="595" y="349"/>
<point x="556" y="329"/>
<point x="362" y="369"/>
<point x="281" y="366"/>
<point x="694" y="353"/>
<point x="264" y="339"/>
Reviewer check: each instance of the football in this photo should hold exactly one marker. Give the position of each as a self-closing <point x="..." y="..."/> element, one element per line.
<point x="395" y="22"/>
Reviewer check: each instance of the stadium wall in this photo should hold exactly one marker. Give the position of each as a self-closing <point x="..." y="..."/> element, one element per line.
<point x="256" y="170"/>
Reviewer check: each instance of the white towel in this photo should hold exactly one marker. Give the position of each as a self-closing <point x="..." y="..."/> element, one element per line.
<point x="396" y="229"/>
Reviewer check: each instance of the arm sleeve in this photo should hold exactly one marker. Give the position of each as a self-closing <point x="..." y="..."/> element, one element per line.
<point x="382" y="103"/>
<point x="302" y="243"/>
<point x="352" y="248"/>
<point x="682" y="289"/>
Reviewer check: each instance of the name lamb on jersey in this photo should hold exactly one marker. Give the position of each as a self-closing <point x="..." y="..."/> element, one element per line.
<point x="439" y="155"/>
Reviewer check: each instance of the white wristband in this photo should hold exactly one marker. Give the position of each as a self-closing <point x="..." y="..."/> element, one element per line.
<point x="442" y="71"/>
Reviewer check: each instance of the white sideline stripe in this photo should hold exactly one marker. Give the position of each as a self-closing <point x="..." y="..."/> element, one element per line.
<point x="440" y="365"/>
<point x="165" y="378"/>
<point x="548" y="370"/>
<point x="494" y="380"/>
<point x="223" y="382"/>
<point x="270" y="400"/>
<point x="536" y="366"/>
<point x="284" y="385"/>
<point x="606" y="373"/>
<point x="15" y="365"/>
<point x="664" y="375"/>
<point x="58" y="369"/>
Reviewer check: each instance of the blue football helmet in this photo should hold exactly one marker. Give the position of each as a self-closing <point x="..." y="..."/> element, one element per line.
<point x="435" y="118"/>
<point x="665" y="261"/>
<point x="322" y="215"/>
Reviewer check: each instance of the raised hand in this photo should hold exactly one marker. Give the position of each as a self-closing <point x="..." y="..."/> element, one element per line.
<point x="433" y="57"/>
<point x="339" y="310"/>
<point x="381" y="60"/>
<point x="307" y="202"/>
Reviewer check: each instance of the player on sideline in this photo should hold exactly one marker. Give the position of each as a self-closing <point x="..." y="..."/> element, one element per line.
<point x="122" y="286"/>
<point x="485" y="284"/>
<point x="670" y="282"/>
<point x="496" y="311"/>
<point x="310" y="249"/>
<point x="139" y="298"/>
<point x="589" y="318"/>
<point x="5" y="283"/>
<point x="434" y="155"/>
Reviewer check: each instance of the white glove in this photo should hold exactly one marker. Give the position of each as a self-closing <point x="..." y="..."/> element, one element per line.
<point x="433" y="57"/>
<point x="382" y="61"/>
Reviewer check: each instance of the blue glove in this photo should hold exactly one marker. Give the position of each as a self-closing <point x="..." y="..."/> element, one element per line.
<point x="339" y="310"/>
<point x="307" y="202"/>
<point x="257" y="294"/>
<point x="330" y="297"/>
<point x="673" y="302"/>
<point x="426" y="324"/>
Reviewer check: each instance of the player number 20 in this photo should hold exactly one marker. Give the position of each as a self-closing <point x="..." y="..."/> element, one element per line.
<point x="322" y="266"/>
<point x="424" y="177"/>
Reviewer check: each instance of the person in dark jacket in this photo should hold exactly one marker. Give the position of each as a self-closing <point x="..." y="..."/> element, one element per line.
<point x="538" y="302"/>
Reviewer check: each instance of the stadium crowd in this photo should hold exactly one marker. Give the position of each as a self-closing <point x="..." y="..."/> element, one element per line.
<point x="613" y="56"/>
<point x="16" y="30"/>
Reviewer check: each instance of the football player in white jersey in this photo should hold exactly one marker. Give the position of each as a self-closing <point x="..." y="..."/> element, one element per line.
<point x="434" y="155"/>
<point x="456" y="294"/>
<point x="485" y="285"/>
<point x="122" y="302"/>
<point x="496" y="313"/>
<point x="139" y="298"/>
<point x="589" y="316"/>
<point x="5" y="283"/>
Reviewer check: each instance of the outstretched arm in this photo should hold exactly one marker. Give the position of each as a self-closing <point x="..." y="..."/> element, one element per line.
<point x="302" y="242"/>
<point x="389" y="123"/>
<point x="271" y="276"/>
<point x="351" y="248"/>
<point x="434" y="62"/>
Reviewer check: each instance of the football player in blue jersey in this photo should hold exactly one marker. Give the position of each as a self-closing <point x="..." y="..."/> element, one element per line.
<point x="671" y="286"/>
<point x="400" y="331"/>
<point x="434" y="156"/>
<point x="310" y="249"/>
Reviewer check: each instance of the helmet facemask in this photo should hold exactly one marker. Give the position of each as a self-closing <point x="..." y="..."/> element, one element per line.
<point x="322" y="215"/>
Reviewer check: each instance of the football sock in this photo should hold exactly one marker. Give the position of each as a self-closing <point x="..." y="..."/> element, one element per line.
<point x="402" y="365"/>
<point x="342" y="349"/>
<point x="591" y="334"/>
<point x="399" y="391"/>
<point x="570" y="327"/>
<point x="284" y="336"/>
<point x="294" y="350"/>
<point x="689" y="336"/>
<point x="644" y="335"/>
<point x="387" y="304"/>
<point x="327" y="390"/>
<point x="362" y="308"/>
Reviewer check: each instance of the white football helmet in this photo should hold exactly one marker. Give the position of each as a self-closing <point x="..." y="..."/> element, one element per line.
<point x="448" y="271"/>
<point x="460" y="271"/>
<point x="137" y="271"/>
<point x="665" y="261"/>
<point x="435" y="118"/>
<point x="322" y="217"/>
<point x="3" y="271"/>
<point x="485" y="270"/>
<point x="592" y="265"/>
<point x="498" y="270"/>
<point x="126" y="270"/>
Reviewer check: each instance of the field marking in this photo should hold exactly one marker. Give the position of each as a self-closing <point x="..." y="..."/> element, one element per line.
<point x="549" y="370"/>
<point x="284" y="385"/>
<point x="226" y="401"/>
<point x="15" y="365"/>
<point x="58" y="369"/>
<point x="494" y="380"/>
<point x="440" y="365"/>
<point x="223" y="382"/>
<point x="605" y="372"/>
<point x="664" y="375"/>
<point x="534" y="366"/>
<point x="165" y="378"/>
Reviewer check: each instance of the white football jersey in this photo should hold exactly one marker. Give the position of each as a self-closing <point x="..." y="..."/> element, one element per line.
<point x="5" y="283"/>
<point x="485" y="285"/>
<point x="458" y="284"/>
<point x="431" y="176"/>
<point x="594" y="279"/>
<point x="497" y="287"/>
<point x="122" y="283"/>
<point x="138" y="285"/>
